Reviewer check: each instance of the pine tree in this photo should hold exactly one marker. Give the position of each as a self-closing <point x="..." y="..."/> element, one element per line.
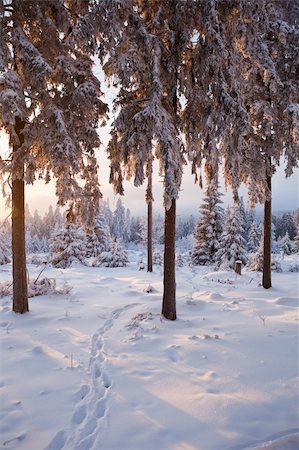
<point x="138" y="230"/>
<point x="4" y="249"/>
<point x="116" y="256"/>
<point x="257" y="260"/>
<point x="253" y="237"/>
<point x="50" y="107"/>
<point x="247" y="112"/>
<point x="286" y="245"/>
<point x="67" y="245"/>
<point x="103" y="239"/>
<point x="209" y="227"/>
<point x="119" y="226"/>
<point x="232" y="245"/>
<point x="285" y="224"/>
<point x="152" y="38"/>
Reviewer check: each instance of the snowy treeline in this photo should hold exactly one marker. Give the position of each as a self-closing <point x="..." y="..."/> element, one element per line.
<point x="112" y="230"/>
<point x="219" y="237"/>
<point x="224" y="236"/>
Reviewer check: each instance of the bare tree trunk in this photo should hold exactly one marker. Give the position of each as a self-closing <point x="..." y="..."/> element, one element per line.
<point x="150" y="236"/>
<point x="267" y="240"/>
<point x="169" y="300"/>
<point x="20" y="294"/>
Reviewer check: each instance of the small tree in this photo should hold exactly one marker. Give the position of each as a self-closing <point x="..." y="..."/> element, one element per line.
<point x="4" y="249"/>
<point x="102" y="241"/>
<point x="114" y="257"/>
<point x="68" y="245"/>
<point x="257" y="260"/>
<point x="253" y="237"/>
<point x="209" y="228"/>
<point x="119" y="227"/>
<point x="232" y="245"/>
<point x="286" y="245"/>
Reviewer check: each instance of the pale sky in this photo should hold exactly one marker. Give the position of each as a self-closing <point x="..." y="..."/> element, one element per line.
<point x="41" y="196"/>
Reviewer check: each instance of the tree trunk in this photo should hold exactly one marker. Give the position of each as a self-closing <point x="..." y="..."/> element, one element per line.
<point x="267" y="240"/>
<point x="169" y="301"/>
<point x="150" y="236"/>
<point x="238" y="267"/>
<point x="20" y="294"/>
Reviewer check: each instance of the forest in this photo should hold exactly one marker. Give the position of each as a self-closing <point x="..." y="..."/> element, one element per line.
<point x="95" y="301"/>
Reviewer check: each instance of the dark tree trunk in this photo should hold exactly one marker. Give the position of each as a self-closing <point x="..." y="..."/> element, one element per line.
<point x="150" y="236"/>
<point x="169" y="300"/>
<point x="267" y="240"/>
<point x="238" y="267"/>
<point x="20" y="294"/>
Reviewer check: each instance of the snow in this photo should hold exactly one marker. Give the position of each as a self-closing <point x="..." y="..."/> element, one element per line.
<point x="98" y="367"/>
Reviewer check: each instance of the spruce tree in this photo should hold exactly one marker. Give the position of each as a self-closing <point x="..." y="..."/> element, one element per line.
<point x="253" y="237"/>
<point x="296" y="242"/>
<point x="232" y="245"/>
<point x="116" y="256"/>
<point x="209" y="228"/>
<point x="102" y="235"/>
<point x="50" y="106"/>
<point x="4" y="249"/>
<point x="67" y="245"/>
<point x="286" y="246"/>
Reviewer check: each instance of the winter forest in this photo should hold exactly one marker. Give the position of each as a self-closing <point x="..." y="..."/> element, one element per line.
<point x="158" y="331"/>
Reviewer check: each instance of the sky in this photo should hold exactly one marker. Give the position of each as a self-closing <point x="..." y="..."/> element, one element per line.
<point x="40" y="196"/>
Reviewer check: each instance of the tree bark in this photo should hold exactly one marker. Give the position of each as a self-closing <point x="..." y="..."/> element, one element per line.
<point x="169" y="300"/>
<point x="150" y="236"/>
<point x="267" y="239"/>
<point x="20" y="293"/>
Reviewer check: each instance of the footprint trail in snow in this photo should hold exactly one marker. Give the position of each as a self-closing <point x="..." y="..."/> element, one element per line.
<point x="91" y="401"/>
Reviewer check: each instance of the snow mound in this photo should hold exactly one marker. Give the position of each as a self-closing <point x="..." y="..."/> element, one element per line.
<point x="288" y="301"/>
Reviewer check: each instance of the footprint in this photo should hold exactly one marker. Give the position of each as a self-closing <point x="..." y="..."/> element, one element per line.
<point x="86" y="443"/>
<point x="83" y="391"/>
<point x="79" y="415"/>
<point x="57" y="442"/>
<point x="100" y="408"/>
<point x="106" y="380"/>
<point x="89" y="427"/>
<point x="96" y="371"/>
<point x="100" y="344"/>
<point x="173" y="353"/>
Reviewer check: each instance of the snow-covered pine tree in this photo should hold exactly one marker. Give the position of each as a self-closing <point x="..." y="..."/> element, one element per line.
<point x="269" y="88"/>
<point x="67" y="245"/>
<point x="274" y="242"/>
<point x="209" y="227"/>
<point x="285" y="224"/>
<point x="153" y="36"/>
<point x="138" y="230"/>
<point x="119" y="226"/>
<point x="296" y="242"/>
<point x="256" y="262"/>
<point x="50" y="107"/>
<point x="295" y="216"/>
<point x="286" y="245"/>
<point x="232" y="245"/>
<point x="248" y="109"/>
<point x="4" y="249"/>
<point x="254" y="236"/>
<point x="103" y="239"/>
<point x="116" y="256"/>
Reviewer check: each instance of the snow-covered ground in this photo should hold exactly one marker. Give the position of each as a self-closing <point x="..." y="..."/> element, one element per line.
<point x="99" y="368"/>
